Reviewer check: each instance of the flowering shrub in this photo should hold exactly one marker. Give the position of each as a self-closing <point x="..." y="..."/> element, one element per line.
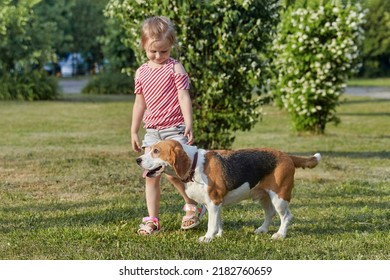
<point x="222" y="46"/>
<point x="316" y="51"/>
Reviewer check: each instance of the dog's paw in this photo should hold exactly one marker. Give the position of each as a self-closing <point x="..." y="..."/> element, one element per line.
<point x="205" y="239"/>
<point x="278" y="236"/>
<point x="261" y="230"/>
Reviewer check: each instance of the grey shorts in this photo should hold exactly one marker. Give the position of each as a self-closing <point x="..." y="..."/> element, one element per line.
<point x="152" y="136"/>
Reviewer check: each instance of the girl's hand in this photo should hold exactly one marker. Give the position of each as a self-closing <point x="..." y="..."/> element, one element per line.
<point x="135" y="143"/>
<point x="189" y="134"/>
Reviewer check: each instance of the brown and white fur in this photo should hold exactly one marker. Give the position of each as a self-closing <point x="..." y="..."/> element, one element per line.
<point x="223" y="177"/>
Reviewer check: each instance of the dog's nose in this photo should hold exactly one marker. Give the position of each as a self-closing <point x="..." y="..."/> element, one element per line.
<point x="139" y="160"/>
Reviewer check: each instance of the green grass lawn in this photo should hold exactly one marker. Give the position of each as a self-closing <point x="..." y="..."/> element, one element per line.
<point x="378" y="82"/>
<point x="70" y="188"/>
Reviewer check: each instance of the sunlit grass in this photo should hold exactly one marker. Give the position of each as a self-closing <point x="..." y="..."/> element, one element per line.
<point x="378" y="82"/>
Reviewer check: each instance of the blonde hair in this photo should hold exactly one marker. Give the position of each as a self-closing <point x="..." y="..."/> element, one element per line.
<point x="156" y="29"/>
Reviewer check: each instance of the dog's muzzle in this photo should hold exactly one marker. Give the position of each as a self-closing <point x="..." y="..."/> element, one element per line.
<point x="151" y="173"/>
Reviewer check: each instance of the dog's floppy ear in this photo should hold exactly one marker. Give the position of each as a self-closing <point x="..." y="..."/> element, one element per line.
<point x="181" y="162"/>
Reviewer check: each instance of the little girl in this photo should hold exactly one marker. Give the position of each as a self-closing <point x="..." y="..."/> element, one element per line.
<point x="163" y="103"/>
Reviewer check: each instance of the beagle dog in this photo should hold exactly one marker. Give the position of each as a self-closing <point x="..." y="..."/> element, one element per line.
<point x="222" y="177"/>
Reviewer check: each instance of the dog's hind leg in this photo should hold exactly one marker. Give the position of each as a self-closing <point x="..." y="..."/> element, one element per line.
<point x="269" y="212"/>
<point x="281" y="207"/>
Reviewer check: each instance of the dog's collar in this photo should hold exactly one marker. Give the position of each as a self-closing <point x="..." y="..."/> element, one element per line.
<point x="190" y="177"/>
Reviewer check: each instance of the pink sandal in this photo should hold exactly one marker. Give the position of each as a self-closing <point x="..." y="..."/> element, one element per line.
<point x="194" y="218"/>
<point x="149" y="226"/>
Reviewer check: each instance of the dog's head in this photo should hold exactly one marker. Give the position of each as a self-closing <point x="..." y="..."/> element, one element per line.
<point x="165" y="156"/>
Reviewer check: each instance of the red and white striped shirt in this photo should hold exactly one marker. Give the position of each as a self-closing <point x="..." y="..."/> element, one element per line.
<point x="160" y="89"/>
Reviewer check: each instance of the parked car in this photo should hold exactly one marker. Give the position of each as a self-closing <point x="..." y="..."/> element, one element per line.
<point x="73" y="65"/>
<point x="52" y="69"/>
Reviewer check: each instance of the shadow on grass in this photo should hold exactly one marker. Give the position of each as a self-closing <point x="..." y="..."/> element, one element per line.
<point x="376" y="114"/>
<point x="65" y="214"/>
<point x="354" y="155"/>
<point x="384" y="154"/>
<point x="365" y="100"/>
<point x="347" y="223"/>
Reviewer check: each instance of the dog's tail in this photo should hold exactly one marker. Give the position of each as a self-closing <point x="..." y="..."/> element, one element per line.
<point x="304" y="162"/>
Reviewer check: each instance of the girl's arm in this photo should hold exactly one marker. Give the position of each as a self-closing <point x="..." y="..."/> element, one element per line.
<point x="186" y="106"/>
<point x="138" y="112"/>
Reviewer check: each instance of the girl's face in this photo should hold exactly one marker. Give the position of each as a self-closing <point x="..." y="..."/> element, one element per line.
<point x="158" y="52"/>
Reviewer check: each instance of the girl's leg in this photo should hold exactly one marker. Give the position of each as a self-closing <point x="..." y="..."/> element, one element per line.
<point x="151" y="224"/>
<point x="179" y="185"/>
<point x="152" y="195"/>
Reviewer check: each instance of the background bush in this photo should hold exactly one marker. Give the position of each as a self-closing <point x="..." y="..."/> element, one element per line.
<point x="119" y="57"/>
<point x="25" y="44"/>
<point x="36" y="85"/>
<point x="223" y="46"/>
<point x="316" y="51"/>
<point x="110" y="83"/>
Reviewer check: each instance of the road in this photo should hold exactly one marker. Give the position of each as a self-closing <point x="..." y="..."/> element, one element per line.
<point x="374" y="92"/>
<point x="72" y="86"/>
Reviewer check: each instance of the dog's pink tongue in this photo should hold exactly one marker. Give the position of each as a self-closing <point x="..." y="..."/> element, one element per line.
<point x="145" y="172"/>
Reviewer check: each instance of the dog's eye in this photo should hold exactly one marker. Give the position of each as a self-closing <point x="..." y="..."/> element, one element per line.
<point x="156" y="151"/>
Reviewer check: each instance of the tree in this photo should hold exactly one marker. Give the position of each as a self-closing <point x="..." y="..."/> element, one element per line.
<point x="87" y="25"/>
<point x="78" y="25"/>
<point x="118" y="54"/>
<point x="23" y="38"/>
<point x="117" y="57"/>
<point x="376" y="46"/>
<point x="223" y="47"/>
<point x="24" y="46"/>
<point x="57" y="13"/>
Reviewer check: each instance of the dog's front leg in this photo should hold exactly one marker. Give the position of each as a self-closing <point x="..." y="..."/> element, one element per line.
<point x="214" y="226"/>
